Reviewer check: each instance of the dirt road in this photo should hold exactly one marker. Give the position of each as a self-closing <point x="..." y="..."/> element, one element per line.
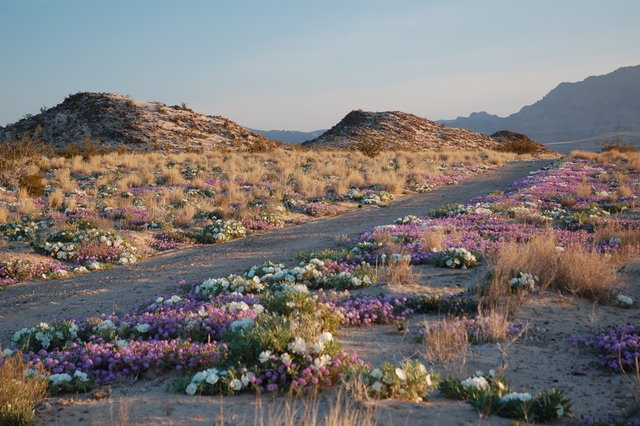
<point x="118" y="289"/>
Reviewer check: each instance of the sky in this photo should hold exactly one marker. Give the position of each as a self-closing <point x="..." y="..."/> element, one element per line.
<point x="304" y="64"/>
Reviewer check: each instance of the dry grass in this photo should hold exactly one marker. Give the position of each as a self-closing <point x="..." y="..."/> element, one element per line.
<point x="629" y="236"/>
<point x="400" y="273"/>
<point x="433" y="239"/>
<point x="4" y="214"/>
<point x="19" y="393"/>
<point x="27" y="206"/>
<point x="55" y="199"/>
<point x="445" y="343"/>
<point x="586" y="274"/>
<point x="537" y="257"/>
<point x="184" y="216"/>
<point x="496" y="325"/>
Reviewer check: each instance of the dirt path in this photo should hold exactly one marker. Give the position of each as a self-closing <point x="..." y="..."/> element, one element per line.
<point x="118" y="289"/>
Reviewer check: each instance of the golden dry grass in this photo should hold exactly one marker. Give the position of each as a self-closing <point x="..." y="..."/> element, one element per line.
<point x="446" y="342"/>
<point x="19" y="393"/>
<point x="586" y="274"/>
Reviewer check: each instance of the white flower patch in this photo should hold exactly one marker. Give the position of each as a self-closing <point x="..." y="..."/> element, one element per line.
<point x="625" y="301"/>
<point x="515" y="396"/>
<point x="478" y="382"/>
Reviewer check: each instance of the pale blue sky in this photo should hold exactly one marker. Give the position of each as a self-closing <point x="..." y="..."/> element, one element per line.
<point x="304" y="64"/>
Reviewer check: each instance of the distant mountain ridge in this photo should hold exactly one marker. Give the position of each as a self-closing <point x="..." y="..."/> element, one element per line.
<point x="396" y="130"/>
<point x="114" y="120"/>
<point x="288" y="136"/>
<point x="587" y="110"/>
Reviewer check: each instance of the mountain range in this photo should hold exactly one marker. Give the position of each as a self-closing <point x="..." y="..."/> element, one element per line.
<point x="573" y="115"/>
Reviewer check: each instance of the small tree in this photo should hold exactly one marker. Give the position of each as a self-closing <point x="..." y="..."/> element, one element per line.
<point x="18" y="156"/>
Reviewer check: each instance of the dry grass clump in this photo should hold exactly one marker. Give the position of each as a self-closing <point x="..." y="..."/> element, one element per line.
<point x="55" y="199"/>
<point x="27" y="206"/>
<point x="575" y="269"/>
<point x="586" y="274"/>
<point x="628" y="236"/>
<point x="433" y="239"/>
<point x="400" y="272"/>
<point x="19" y="393"/>
<point x="536" y="257"/>
<point x="447" y="342"/>
<point x="4" y="214"/>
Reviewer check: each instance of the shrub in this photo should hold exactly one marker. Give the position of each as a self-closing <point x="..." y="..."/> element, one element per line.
<point x="370" y="148"/>
<point x="618" y="145"/>
<point x="32" y="183"/>
<point x="19" y="155"/>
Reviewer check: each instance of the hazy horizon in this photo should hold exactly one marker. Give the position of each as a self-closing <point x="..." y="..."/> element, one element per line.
<point x="302" y="65"/>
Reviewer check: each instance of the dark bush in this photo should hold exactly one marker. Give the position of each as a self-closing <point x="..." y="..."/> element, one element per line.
<point x="369" y="147"/>
<point x="34" y="184"/>
<point x="617" y="145"/>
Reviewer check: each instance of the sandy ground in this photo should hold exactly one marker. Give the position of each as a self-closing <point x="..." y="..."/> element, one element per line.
<point x="529" y="366"/>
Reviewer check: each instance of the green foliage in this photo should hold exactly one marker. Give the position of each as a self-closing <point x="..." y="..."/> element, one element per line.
<point x="489" y="395"/>
<point x="245" y="344"/>
<point x="408" y="380"/>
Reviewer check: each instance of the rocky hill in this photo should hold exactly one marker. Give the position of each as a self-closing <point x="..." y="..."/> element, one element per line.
<point x="399" y="130"/>
<point x="596" y="108"/>
<point x="113" y="120"/>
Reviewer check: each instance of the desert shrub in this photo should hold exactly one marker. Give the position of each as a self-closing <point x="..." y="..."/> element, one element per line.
<point x="519" y="146"/>
<point x="618" y="145"/>
<point x="369" y="147"/>
<point x="32" y="183"/>
<point x="19" y="155"/>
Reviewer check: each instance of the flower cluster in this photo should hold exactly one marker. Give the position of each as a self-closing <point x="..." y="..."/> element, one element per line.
<point x="408" y="380"/>
<point x="455" y="258"/>
<point x="490" y="394"/>
<point x="618" y="349"/>
<point x="524" y="282"/>
<point x="322" y="209"/>
<point x="221" y="231"/>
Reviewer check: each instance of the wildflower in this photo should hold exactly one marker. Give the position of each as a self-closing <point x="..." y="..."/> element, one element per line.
<point x="476" y="382"/>
<point x="524" y="397"/>
<point x="625" y="300"/>
<point x="212" y="378"/>
<point x="264" y="356"/>
<point x="298" y="345"/>
<point x="142" y="328"/>
<point x="401" y="374"/>
<point x="235" y="385"/>
<point x="377" y="386"/>
<point x="192" y="388"/>
<point x="376" y="373"/>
